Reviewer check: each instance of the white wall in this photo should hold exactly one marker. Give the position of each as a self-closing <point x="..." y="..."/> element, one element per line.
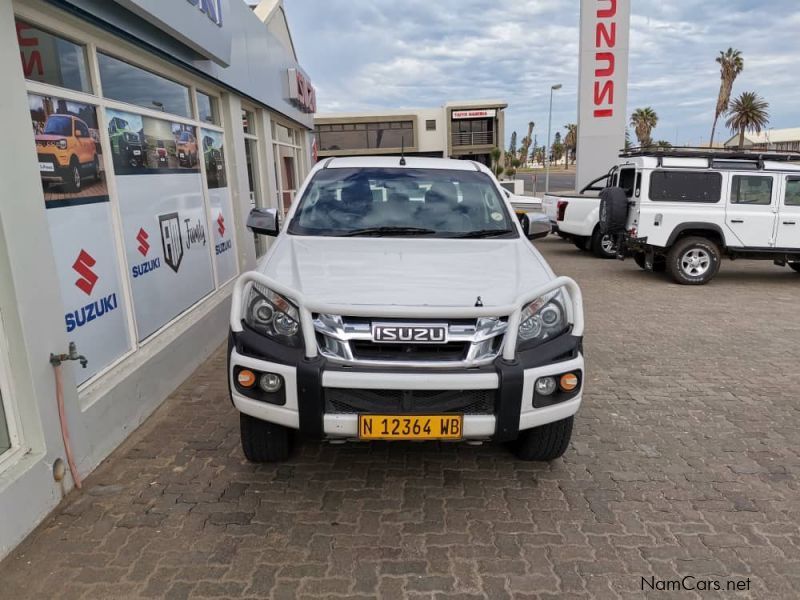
<point x="431" y="141"/>
<point x="32" y="313"/>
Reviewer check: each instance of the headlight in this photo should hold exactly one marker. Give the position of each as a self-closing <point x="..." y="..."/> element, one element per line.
<point x="543" y="319"/>
<point x="62" y="144"/>
<point x="272" y="315"/>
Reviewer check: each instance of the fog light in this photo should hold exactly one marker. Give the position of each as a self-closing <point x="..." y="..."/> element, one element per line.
<point x="246" y="378"/>
<point x="545" y="386"/>
<point x="270" y="382"/>
<point x="568" y="382"/>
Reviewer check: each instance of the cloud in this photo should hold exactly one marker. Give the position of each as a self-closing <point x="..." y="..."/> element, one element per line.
<point x="382" y="54"/>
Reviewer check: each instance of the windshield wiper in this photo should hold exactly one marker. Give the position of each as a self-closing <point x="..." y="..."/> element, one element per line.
<point x="483" y="233"/>
<point x="378" y="231"/>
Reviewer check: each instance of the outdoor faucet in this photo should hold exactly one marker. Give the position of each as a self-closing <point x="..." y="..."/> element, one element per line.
<point x="57" y="359"/>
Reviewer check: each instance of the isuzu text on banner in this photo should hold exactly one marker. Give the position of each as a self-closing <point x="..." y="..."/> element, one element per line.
<point x="602" y="86"/>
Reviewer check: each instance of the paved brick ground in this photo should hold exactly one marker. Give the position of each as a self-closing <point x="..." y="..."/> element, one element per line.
<point x="684" y="462"/>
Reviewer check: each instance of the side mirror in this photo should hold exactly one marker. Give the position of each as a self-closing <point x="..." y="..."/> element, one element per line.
<point x="264" y="221"/>
<point x="535" y="226"/>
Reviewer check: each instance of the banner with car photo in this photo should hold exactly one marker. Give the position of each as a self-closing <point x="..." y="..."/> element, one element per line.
<point x="79" y="216"/>
<point x="164" y="222"/>
<point x="219" y="197"/>
<point x="142" y="145"/>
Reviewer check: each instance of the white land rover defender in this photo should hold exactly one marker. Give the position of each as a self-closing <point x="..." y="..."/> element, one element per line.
<point x="403" y="300"/>
<point x="689" y="207"/>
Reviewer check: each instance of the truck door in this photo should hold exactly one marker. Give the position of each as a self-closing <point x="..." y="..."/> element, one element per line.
<point x="752" y="209"/>
<point x="788" y="235"/>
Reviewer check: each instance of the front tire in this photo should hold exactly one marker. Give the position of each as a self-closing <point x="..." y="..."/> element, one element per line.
<point x="693" y="261"/>
<point x="72" y="180"/>
<point x="603" y="245"/>
<point x="262" y="441"/>
<point x="546" y="442"/>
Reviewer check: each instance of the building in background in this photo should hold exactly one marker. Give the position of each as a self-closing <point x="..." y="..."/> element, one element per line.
<point x="137" y="135"/>
<point x="770" y="139"/>
<point x="466" y="130"/>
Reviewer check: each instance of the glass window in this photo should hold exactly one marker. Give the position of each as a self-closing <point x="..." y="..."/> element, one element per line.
<point x="751" y="189"/>
<point x="284" y="134"/>
<point x="207" y="108"/>
<point x="5" y="439"/>
<point x="792" y="197"/>
<point x="50" y="59"/>
<point x="430" y="125"/>
<point x="415" y="202"/>
<point x="248" y="122"/>
<point x="627" y="178"/>
<point x="685" y="186"/>
<point x="126" y="83"/>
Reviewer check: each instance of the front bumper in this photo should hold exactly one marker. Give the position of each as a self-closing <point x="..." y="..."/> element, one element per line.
<point x="308" y="380"/>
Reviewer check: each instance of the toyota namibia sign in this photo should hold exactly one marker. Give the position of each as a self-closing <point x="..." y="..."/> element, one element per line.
<point x="602" y="87"/>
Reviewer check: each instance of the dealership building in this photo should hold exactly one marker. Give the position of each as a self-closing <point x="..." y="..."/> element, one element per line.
<point x="137" y="135"/>
<point x="466" y="130"/>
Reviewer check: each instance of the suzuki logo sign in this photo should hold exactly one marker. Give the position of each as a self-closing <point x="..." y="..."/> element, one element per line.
<point x="83" y="267"/>
<point x="142" y="237"/>
<point x="221" y="224"/>
<point x="212" y="9"/>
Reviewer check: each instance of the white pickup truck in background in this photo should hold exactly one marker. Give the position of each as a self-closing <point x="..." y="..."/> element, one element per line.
<point x="576" y="215"/>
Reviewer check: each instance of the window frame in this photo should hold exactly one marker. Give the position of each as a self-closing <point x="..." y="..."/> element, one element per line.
<point x="88" y="52"/>
<point x="740" y="176"/>
<point x="8" y="405"/>
<point x="192" y="111"/>
<point x="67" y="27"/>
<point x="786" y="180"/>
<point x="684" y="172"/>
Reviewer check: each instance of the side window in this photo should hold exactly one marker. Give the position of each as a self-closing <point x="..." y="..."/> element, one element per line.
<point x="685" y="186"/>
<point x="792" y="197"/>
<point x="751" y="189"/>
<point x="82" y="128"/>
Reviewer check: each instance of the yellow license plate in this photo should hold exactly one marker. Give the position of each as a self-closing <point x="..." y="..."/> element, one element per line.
<point x="410" y="427"/>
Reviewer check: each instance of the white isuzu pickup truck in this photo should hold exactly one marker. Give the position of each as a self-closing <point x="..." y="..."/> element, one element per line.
<point x="404" y="300"/>
<point x="576" y="215"/>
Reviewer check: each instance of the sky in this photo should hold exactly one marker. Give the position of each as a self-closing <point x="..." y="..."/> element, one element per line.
<point x="379" y="54"/>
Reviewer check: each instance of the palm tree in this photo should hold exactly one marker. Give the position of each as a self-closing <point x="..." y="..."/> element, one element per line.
<point x="748" y="112"/>
<point x="496" y="153"/>
<point x="644" y="121"/>
<point x="663" y="144"/>
<point x="731" y="64"/>
<point x="571" y="140"/>
<point x="526" y="143"/>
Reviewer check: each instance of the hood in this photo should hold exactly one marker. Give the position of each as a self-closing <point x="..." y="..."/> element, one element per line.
<point x="406" y="271"/>
<point x="46" y="137"/>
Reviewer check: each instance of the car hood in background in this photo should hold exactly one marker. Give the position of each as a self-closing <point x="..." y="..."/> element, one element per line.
<point x="406" y="271"/>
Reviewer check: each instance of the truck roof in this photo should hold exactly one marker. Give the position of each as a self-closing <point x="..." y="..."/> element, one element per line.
<point x="412" y="162"/>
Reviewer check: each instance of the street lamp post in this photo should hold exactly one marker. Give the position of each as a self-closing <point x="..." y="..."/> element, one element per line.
<point x="547" y="150"/>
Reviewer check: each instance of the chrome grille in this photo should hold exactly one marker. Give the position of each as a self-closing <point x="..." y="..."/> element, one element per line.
<point x="470" y="342"/>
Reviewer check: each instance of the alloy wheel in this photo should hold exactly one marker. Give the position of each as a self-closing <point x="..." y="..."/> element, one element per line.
<point x="695" y="262"/>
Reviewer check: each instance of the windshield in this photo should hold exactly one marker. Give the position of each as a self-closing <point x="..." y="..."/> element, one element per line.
<point x="407" y="202"/>
<point x="58" y="125"/>
<point x="184" y="137"/>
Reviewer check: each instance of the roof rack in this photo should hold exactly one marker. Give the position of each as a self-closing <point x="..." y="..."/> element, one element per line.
<point x="712" y="153"/>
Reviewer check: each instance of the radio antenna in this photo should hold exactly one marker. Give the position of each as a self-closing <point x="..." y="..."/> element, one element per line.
<point x="403" y="151"/>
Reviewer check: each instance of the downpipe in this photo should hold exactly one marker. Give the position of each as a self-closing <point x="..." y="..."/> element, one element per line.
<point x="56" y="360"/>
